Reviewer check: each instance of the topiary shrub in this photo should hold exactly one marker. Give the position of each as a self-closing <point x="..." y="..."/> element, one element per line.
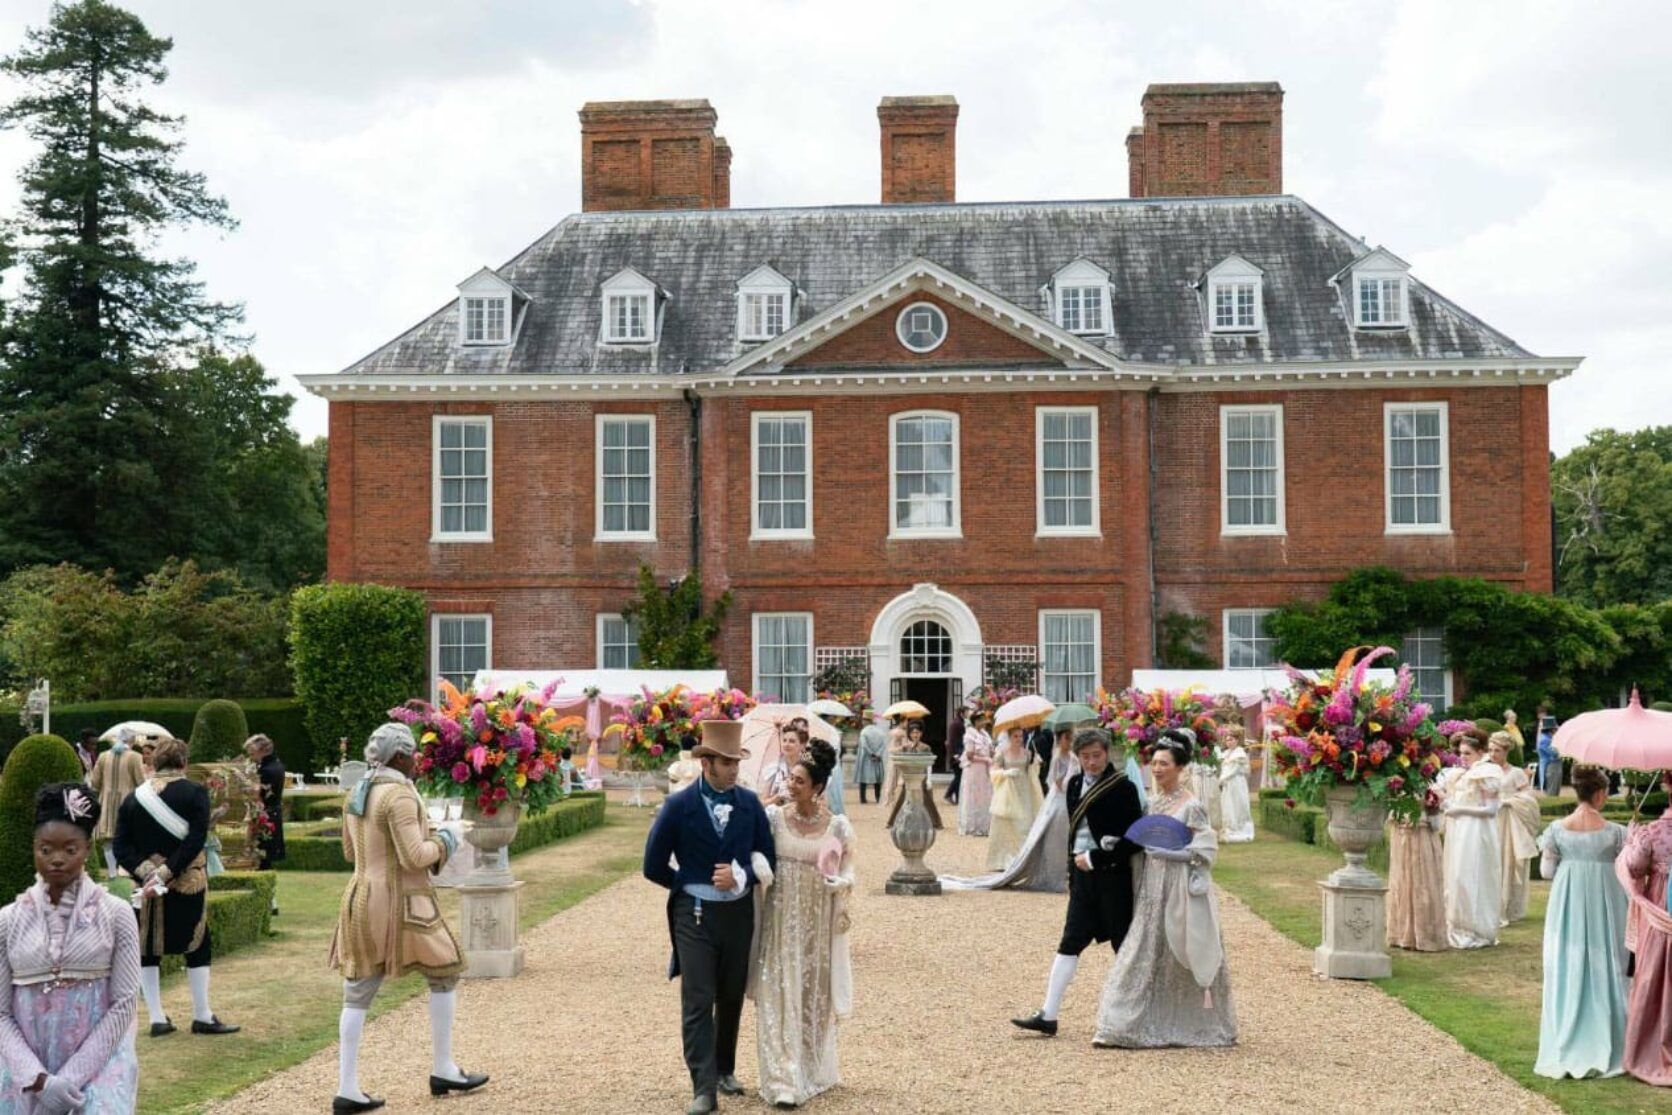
<point x="356" y="652"/>
<point x="34" y="762"/>
<point x="218" y="731"/>
<point x="1661" y="706"/>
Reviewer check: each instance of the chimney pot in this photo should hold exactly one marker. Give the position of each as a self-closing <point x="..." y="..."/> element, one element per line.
<point x="919" y="149"/>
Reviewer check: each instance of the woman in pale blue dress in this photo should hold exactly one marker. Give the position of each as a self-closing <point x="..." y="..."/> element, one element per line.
<point x="1582" y="1028"/>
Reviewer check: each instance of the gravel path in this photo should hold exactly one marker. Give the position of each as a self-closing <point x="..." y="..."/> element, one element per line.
<point x="592" y="1026"/>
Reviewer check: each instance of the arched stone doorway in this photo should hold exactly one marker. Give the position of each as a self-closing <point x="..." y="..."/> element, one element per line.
<point x="926" y="647"/>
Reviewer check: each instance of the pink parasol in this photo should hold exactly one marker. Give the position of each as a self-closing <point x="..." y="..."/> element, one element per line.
<point x="1630" y="738"/>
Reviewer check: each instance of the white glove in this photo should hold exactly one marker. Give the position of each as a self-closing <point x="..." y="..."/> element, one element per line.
<point x="837" y="884"/>
<point x="58" y="1097"/>
<point x="1182" y="855"/>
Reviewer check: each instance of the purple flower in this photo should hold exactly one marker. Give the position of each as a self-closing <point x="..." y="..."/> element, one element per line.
<point x="479" y="717"/>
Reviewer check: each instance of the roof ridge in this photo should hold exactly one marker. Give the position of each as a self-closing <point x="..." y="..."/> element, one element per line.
<point x="920" y="208"/>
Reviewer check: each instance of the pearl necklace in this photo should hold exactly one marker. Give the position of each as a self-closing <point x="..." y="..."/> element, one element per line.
<point x="808" y="826"/>
<point x="1164" y="803"/>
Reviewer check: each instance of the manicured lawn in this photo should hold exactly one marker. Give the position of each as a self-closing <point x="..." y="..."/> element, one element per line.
<point x="286" y="998"/>
<point x="1488" y="999"/>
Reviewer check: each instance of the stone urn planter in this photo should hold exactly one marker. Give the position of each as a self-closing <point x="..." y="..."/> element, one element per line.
<point x="913" y="832"/>
<point x="489" y="896"/>
<point x="1355" y="898"/>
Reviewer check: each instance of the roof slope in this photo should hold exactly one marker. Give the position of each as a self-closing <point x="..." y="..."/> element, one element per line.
<point x="1154" y="249"/>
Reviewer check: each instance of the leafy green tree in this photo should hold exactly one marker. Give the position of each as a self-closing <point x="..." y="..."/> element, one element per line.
<point x="357" y="651"/>
<point x="1613" y="504"/>
<point x="676" y="632"/>
<point x="102" y="313"/>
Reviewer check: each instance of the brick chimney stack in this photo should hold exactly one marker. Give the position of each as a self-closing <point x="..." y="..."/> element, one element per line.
<point x="1208" y="141"/>
<point x="919" y="149"/>
<point x="652" y="155"/>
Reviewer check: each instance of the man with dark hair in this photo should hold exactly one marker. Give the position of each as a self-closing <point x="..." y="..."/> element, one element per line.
<point x="1102" y="803"/>
<point x="954" y="752"/>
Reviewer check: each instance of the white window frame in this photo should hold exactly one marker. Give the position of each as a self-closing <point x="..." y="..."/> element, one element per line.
<point x="1088" y="296"/>
<point x="900" y="326"/>
<point x="1231" y="272"/>
<point x="599" y="534"/>
<point x="504" y="304"/>
<point x="1084" y="276"/>
<point x="1096" y="638"/>
<point x="1447" y="684"/>
<point x="1400" y="281"/>
<point x="435" y="643"/>
<point x="756" y="531"/>
<point x="956" y="530"/>
<point x="763" y="282"/>
<point x="1095" y="528"/>
<point x="628" y="283"/>
<point x="1250" y="530"/>
<point x="1444" y="525"/>
<point x="603" y="619"/>
<point x="755" y="649"/>
<point x="436" y="422"/>
<point x="1225" y="636"/>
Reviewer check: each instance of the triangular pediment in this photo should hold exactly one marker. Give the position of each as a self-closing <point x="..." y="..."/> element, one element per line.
<point x="969" y="341"/>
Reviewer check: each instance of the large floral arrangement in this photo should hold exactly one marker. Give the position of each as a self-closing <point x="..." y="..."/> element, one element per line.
<point x="1137" y="717"/>
<point x="990" y="698"/>
<point x="722" y="704"/>
<point x="503" y="746"/>
<point x="1341" y="730"/>
<point x="655" y="726"/>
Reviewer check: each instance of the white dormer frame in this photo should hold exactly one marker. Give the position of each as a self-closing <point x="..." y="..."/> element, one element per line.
<point x="497" y="300"/>
<point x="630" y="284"/>
<point x="1392" y="278"/>
<point x="1229" y="277"/>
<point x="765" y="282"/>
<point x="1087" y="280"/>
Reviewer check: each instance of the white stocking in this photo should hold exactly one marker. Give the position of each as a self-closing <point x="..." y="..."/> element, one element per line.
<point x="443" y="1004"/>
<point x="151" y="984"/>
<point x="350" y="1027"/>
<point x="1062" y="973"/>
<point x="198" y="978"/>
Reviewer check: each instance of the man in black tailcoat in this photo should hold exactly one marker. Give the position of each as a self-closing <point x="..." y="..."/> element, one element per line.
<point x="1102" y="803"/>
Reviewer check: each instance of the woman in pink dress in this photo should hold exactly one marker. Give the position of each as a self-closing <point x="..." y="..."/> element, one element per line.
<point x="1643" y="867"/>
<point x="975" y="802"/>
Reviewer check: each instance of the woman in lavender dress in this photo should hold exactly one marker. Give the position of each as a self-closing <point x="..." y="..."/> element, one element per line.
<point x="69" y="975"/>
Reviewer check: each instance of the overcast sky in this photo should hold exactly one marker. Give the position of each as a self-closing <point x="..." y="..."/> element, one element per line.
<point x="377" y="152"/>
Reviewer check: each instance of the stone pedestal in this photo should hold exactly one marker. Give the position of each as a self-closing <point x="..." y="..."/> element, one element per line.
<point x="913" y="832"/>
<point x="488" y="913"/>
<point x="1354" y="897"/>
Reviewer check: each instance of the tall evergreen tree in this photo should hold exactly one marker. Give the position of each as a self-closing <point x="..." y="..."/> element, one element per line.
<point x="103" y="315"/>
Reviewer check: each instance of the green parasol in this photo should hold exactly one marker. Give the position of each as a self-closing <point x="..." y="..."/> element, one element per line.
<point x="1069" y="716"/>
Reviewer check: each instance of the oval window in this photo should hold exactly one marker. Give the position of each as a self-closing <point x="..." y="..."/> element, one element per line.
<point x="921" y="327"/>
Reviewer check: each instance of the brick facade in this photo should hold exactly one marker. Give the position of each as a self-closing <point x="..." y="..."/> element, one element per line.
<point x="1208" y="140"/>
<point x="919" y="149"/>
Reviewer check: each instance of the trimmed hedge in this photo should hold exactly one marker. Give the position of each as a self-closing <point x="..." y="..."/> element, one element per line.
<point x="567" y="818"/>
<point x="357" y="651"/>
<point x="218" y="731"/>
<point x="302" y="808"/>
<point x="33" y="763"/>
<point x="279" y="718"/>
<point x="240" y="912"/>
<point x="1308" y="825"/>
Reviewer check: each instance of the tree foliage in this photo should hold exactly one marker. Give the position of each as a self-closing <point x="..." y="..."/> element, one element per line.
<point x="1613" y="503"/>
<point x="1180" y="639"/>
<point x="676" y="632"/>
<point x="357" y="651"/>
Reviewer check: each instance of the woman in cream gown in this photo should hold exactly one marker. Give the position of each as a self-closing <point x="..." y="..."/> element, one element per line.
<point x="975" y="799"/>
<point x="1518" y="825"/>
<point x="1169" y="985"/>
<point x="1416" y="917"/>
<point x="1473" y="859"/>
<point x="1016" y="800"/>
<point x="801" y="980"/>
<point x="1236" y="815"/>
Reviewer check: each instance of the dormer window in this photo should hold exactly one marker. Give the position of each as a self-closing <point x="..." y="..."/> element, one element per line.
<point x="764" y="300"/>
<point x="1378" y="289"/>
<point x="488" y="309"/>
<point x="630" y="309"/>
<point x="1234" y="303"/>
<point x="1080" y="296"/>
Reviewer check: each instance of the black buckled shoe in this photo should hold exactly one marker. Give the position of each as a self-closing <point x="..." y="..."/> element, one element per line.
<point x="1038" y="1023"/>
<point x="730" y="1085"/>
<point x="213" y="1026"/>
<point x="342" y="1104"/>
<point x="163" y="1028"/>
<point x="440" y="1085"/>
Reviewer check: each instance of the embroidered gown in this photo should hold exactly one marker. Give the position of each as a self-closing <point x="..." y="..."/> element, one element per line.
<point x="1169" y="985"/>
<point x="1416" y="886"/>
<point x="975" y="800"/>
<point x="1042" y="862"/>
<point x="803" y="981"/>
<point x="1474" y="900"/>
<point x="1016" y="801"/>
<point x="1237" y="817"/>
<point x="1518" y="825"/>
<point x="1642" y="868"/>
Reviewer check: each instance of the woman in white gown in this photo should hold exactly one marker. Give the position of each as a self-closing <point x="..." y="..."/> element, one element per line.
<point x="975" y="800"/>
<point x="1169" y="985"/>
<point x="1236" y="814"/>
<point x="1473" y="859"/>
<point x="802" y="980"/>
<point x="1016" y="800"/>
<point x="1518" y="825"/>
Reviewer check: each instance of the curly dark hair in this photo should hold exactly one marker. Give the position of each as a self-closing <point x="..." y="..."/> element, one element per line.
<point x="819" y="762"/>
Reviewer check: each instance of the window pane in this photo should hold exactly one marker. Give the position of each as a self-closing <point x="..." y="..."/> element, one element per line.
<point x="625" y="481"/>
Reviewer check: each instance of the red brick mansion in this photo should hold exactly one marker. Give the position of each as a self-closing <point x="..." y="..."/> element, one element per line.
<point x="933" y="434"/>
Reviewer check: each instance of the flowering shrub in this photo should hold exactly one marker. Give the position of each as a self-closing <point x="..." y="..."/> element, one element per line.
<point x="991" y="698"/>
<point x="1137" y="718"/>
<point x="1339" y="730"/>
<point x="501" y="745"/>
<point x="655" y="726"/>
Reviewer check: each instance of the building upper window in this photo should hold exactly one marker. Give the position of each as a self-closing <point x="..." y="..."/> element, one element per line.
<point x="1080" y="295"/>
<point x="1069" y="653"/>
<point x="1067" y="470"/>
<point x="1234" y="300"/>
<point x="1381" y="301"/>
<point x="1379" y="290"/>
<point x="925" y="648"/>
<point x="1248" y="645"/>
<point x="1251" y="455"/>
<point x="460" y="645"/>
<point x="488" y="306"/>
<point x="618" y="643"/>
<point x="1418" y="468"/>
<point x="1424" y="651"/>
<point x="764" y="301"/>
<point x="921" y="327"/>
<point x="630" y="304"/>
<point x="461" y="480"/>
<point x="626" y="477"/>
<point x="784" y="656"/>
<point x="782" y="475"/>
<point x="923" y="452"/>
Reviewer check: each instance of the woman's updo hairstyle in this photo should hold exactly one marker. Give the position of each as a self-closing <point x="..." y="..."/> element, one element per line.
<point x="1180" y="743"/>
<point x="1589" y="781"/>
<point x="73" y="803"/>
<point x="819" y="761"/>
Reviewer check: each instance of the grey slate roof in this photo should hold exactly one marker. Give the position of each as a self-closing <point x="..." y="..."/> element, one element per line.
<point x="1154" y="249"/>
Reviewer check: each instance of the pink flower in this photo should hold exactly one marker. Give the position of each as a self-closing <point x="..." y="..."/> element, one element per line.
<point x="478" y="756"/>
<point x="655" y="749"/>
<point x="499" y="793"/>
<point x="461" y="773"/>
